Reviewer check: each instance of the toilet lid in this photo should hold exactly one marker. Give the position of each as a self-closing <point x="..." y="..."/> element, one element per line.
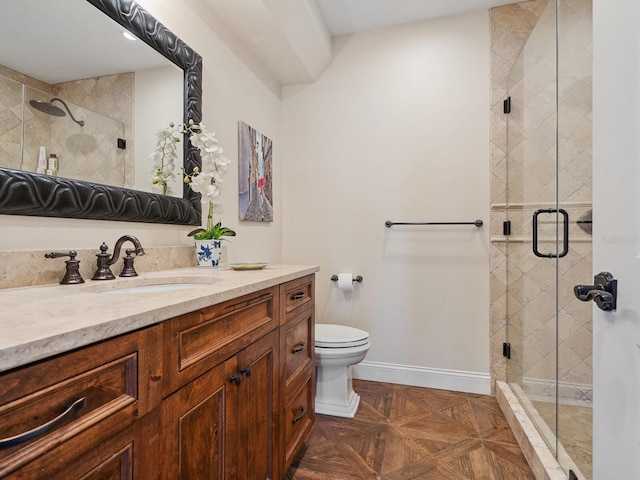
<point x="339" y="336"/>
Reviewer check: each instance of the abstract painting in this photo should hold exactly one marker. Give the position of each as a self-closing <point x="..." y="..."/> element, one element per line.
<point x="255" y="181"/>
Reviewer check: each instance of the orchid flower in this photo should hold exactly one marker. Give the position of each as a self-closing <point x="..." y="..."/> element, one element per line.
<point x="207" y="181"/>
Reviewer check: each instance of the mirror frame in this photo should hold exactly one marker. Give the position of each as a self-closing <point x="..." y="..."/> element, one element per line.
<point x="33" y="194"/>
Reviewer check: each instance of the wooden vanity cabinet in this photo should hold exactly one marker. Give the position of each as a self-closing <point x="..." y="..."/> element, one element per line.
<point x="298" y="374"/>
<point x="78" y="411"/>
<point x="248" y="415"/>
<point x="223" y="423"/>
<point x="198" y="341"/>
<point x="225" y="392"/>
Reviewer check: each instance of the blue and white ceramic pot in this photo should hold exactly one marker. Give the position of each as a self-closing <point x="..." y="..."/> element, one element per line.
<point x="208" y="252"/>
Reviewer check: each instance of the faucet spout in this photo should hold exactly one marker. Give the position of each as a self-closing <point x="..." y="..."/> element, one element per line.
<point x="139" y="251"/>
<point x="103" y="272"/>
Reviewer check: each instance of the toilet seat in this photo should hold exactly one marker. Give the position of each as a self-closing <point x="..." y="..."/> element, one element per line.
<point x="339" y="336"/>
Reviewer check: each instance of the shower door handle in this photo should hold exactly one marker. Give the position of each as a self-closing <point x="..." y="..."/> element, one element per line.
<point x="604" y="291"/>
<point x="565" y="232"/>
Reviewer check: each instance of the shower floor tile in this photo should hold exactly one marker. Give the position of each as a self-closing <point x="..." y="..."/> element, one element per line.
<point x="575" y="426"/>
<point x="403" y="433"/>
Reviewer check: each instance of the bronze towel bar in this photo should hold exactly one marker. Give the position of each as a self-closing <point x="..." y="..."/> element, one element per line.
<point x="478" y="223"/>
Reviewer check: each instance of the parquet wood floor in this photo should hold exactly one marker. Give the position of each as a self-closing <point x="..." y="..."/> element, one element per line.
<point x="405" y="433"/>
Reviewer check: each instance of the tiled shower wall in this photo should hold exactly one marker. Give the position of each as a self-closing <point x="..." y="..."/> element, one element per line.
<point x="523" y="54"/>
<point x="113" y="97"/>
<point x="11" y="83"/>
<point x="89" y="153"/>
<point x="511" y="26"/>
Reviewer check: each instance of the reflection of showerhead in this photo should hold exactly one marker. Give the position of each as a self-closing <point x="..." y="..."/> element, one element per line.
<point x="50" y="109"/>
<point x="47" y="108"/>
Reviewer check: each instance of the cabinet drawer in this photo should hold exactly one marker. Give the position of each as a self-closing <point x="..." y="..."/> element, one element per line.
<point x="299" y="414"/>
<point x="197" y="342"/>
<point x="299" y="344"/>
<point x="50" y="402"/>
<point x="96" y="454"/>
<point x="296" y="293"/>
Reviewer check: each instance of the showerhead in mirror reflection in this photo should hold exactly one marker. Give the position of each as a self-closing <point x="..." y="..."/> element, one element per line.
<point x="87" y="67"/>
<point x="87" y="148"/>
<point x="50" y="109"/>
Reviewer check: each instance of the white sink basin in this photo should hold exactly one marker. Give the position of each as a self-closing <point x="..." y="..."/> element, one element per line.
<point x="138" y="285"/>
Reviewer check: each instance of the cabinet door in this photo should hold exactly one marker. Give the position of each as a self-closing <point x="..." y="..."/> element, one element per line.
<point x="198" y="427"/>
<point x="257" y="410"/>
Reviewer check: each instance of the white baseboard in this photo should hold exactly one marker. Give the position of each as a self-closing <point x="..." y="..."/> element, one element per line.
<point x="470" y="382"/>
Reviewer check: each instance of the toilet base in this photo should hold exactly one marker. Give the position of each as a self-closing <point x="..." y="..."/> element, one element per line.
<point x="346" y="410"/>
<point x="334" y="392"/>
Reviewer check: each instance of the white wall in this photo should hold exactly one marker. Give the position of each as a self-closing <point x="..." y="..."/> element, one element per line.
<point x="150" y="115"/>
<point x="231" y="92"/>
<point x="397" y="129"/>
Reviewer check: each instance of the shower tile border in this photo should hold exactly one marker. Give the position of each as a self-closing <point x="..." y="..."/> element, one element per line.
<point x="541" y="460"/>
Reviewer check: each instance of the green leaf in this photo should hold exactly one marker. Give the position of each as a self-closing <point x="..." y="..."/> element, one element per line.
<point x="214" y="233"/>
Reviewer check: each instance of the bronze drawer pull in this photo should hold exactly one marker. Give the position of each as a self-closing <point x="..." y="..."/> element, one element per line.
<point x="42" y="429"/>
<point x="302" y="413"/>
<point x="297" y="296"/>
<point x="298" y="348"/>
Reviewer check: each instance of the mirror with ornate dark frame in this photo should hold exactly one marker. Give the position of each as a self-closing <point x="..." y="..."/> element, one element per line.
<point x="25" y="193"/>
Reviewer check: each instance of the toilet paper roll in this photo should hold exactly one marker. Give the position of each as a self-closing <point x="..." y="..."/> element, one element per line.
<point x="345" y="282"/>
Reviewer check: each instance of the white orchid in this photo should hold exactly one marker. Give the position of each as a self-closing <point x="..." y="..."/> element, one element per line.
<point x="164" y="159"/>
<point x="206" y="181"/>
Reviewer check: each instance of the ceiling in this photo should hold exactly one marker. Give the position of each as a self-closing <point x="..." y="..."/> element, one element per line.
<point x="344" y="17"/>
<point x="290" y="40"/>
<point x="285" y="42"/>
<point x="61" y="40"/>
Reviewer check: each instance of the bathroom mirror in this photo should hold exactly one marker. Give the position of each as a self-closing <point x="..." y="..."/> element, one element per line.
<point x="27" y="193"/>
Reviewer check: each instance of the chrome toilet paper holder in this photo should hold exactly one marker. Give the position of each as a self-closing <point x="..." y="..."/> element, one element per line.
<point x="334" y="278"/>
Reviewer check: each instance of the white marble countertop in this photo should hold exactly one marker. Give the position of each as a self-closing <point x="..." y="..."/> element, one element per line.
<point x="41" y="321"/>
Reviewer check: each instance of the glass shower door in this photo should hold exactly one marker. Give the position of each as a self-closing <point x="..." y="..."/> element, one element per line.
<point x="575" y="333"/>
<point x="549" y="249"/>
<point x="532" y="281"/>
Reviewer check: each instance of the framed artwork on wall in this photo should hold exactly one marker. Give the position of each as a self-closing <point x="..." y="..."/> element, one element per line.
<point x="255" y="179"/>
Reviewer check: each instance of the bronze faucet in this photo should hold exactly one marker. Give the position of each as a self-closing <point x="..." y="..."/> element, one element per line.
<point x="72" y="275"/>
<point x="103" y="272"/>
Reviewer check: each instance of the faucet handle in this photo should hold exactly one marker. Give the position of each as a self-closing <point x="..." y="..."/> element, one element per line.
<point x="127" y="268"/>
<point x="72" y="275"/>
<point x="103" y="272"/>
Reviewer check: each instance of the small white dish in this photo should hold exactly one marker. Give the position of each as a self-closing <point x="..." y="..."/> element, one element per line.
<point x="248" y="266"/>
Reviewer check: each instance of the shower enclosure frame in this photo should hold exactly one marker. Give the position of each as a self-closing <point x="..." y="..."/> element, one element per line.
<point x="548" y="178"/>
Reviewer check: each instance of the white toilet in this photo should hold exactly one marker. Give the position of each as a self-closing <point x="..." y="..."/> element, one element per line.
<point x="337" y="348"/>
